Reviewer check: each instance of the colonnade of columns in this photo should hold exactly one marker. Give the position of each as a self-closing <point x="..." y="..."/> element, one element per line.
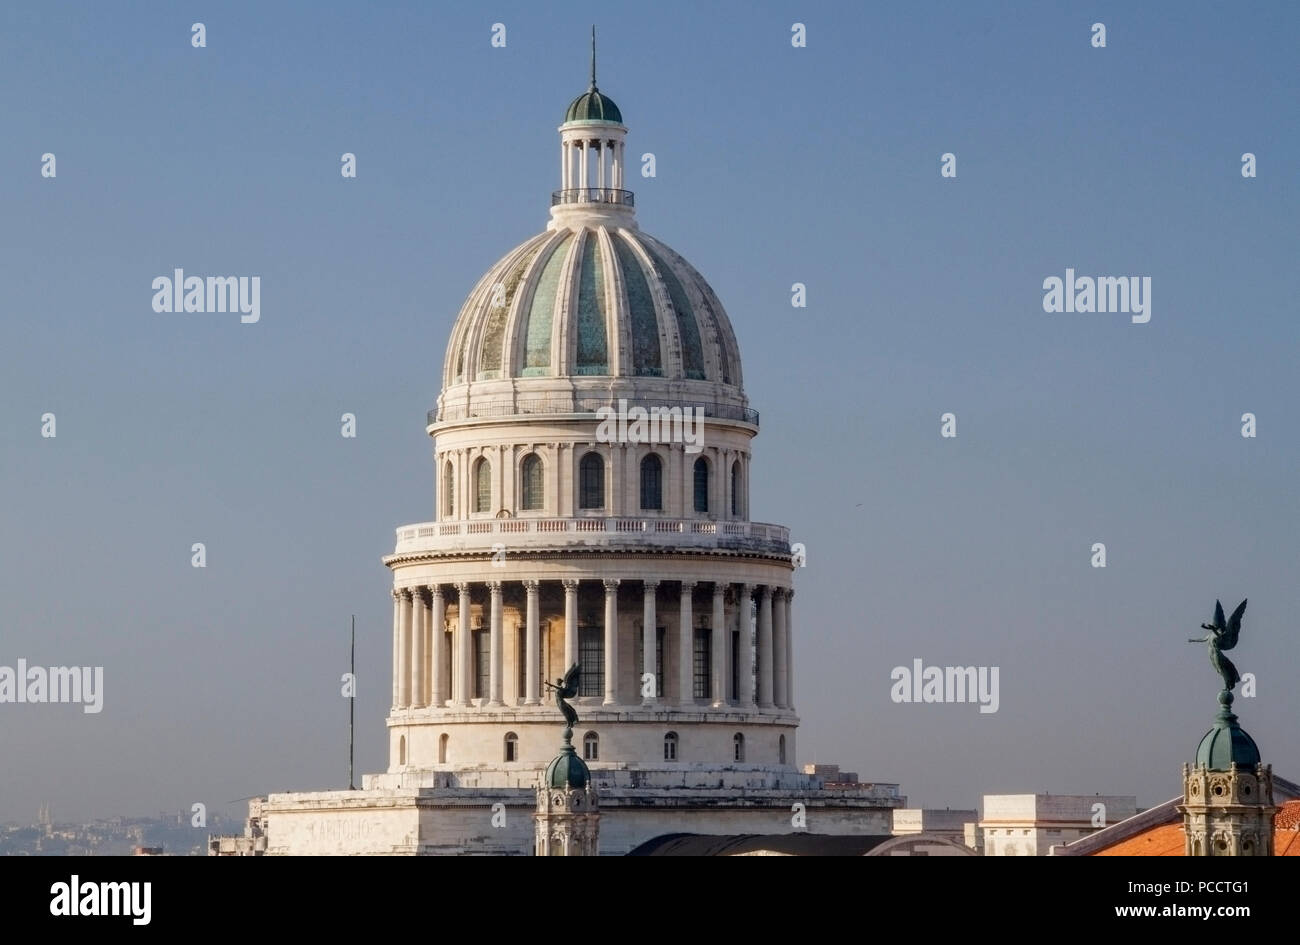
<point x="582" y="159"/>
<point x="429" y="672"/>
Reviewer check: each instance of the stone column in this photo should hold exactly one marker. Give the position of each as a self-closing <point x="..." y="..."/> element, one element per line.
<point x="686" y="646"/>
<point x="582" y="173"/>
<point x="600" y="165"/>
<point x="418" y="617"/>
<point x="648" y="636"/>
<point x="564" y="165"/>
<point x="532" y="643"/>
<point x="789" y="648"/>
<point x="720" y="635"/>
<point x="779" y="650"/>
<point x="464" y="652"/>
<point x="498" y="646"/>
<point x="765" y="647"/>
<point x="404" y="670"/>
<point x="397" y="646"/>
<point x="616" y="166"/>
<point x="570" y="624"/>
<point x="745" y="693"/>
<point x="438" y="643"/>
<point x="611" y="642"/>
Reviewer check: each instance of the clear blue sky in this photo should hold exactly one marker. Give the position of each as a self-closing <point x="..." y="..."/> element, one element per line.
<point x="775" y="165"/>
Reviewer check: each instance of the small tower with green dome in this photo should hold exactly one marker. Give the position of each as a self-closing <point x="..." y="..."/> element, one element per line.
<point x="568" y="805"/>
<point x="1227" y="804"/>
<point x="592" y="161"/>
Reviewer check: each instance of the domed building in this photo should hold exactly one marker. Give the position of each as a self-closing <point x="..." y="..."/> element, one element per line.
<point x="592" y="448"/>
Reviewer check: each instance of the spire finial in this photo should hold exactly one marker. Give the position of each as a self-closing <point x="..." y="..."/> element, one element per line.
<point x="593" y="57"/>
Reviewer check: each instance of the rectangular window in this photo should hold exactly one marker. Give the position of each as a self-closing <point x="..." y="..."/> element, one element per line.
<point x="591" y="654"/>
<point x="659" y="661"/>
<point x="703" y="664"/>
<point x="482" y="662"/>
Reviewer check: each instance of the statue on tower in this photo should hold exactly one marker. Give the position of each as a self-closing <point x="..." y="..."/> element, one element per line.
<point x="1223" y="636"/>
<point x="567" y="688"/>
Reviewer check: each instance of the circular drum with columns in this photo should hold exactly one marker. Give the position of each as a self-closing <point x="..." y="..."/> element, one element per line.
<point x="592" y="447"/>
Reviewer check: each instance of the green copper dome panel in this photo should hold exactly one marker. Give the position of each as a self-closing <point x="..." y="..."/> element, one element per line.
<point x="592" y="344"/>
<point x="646" y="359"/>
<point x="723" y="358"/>
<point x="541" y="312"/>
<point x="593" y="106"/>
<point x="687" y="330"/>
<point x="498" y="309"/>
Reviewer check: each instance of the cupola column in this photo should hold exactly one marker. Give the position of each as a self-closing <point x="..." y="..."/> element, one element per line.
<point x="570" y="624"/>
<point x="404" y="669"/>
<point x="582" y="174"/>
<point x="745" y="691"/>
<point x="397" y="647"/>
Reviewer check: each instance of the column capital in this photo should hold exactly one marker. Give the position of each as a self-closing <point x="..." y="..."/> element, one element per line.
<point x="688" y="586"/>
<point x="397" y="595"/>
<point x="789" y="593"/>
<point x="570" y="585"/>
<point x="435" y="591"/>
<point x="764" y="591"/>
<point x="650" y="586"/>
<point x="494" y="587"/>
<point x="719" y="588"/>
<point x="778" y="593"/>
<point x="531" y="586"/>
<point x="611" y="584"/>
<point x="463" y="586"/>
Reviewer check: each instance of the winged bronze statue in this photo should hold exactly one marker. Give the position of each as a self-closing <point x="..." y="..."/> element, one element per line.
<point x="1223" y="636"/>
<point x="567" y="688"/>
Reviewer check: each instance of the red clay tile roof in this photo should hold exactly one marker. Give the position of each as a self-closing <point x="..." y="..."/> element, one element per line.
<point x="1168" y="840"/>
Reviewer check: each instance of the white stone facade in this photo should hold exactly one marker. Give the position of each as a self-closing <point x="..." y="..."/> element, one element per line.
<point x="555" y="542"/>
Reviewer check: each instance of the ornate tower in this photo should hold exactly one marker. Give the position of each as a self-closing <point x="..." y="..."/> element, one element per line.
<point x="1228" y="794"/>
<point x="568" y="807"/>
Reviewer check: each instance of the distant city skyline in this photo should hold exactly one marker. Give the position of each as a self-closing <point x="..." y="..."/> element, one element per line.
<point x="775" y="165"/>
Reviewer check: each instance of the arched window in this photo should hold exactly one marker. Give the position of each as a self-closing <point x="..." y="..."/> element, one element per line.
<point x="701" y="485"/>
<point x="530" y="481"/>
<point x="448" y="490"/>
<point x="482" y="485"/>
<point x="512" y="746"/>
<point x="780" y="749"/>
<point x="738" y="746"/>
<point x="652" y="490"/>
<point x="591" y="746"/>
<point x="736" y="504"/>
<point x="401" y="750"/>
<point x="670" y="746"/>
<point x="442" y="748"/>
<point x="591" y="482"/>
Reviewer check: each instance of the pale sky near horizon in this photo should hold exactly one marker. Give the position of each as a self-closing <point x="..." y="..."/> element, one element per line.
<point x="775" y="165"/>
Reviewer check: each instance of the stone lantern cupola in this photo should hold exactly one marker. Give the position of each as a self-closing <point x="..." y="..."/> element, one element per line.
<point x="592" y="161"/>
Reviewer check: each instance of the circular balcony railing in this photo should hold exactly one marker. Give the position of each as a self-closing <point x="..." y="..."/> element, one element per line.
<point x="606" y="195"/>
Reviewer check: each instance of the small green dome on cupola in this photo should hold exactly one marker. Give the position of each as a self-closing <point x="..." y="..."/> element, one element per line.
<point x="567" y="770"/>
<point x="591" y="105"/>
<point x="1227" y="743"/>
